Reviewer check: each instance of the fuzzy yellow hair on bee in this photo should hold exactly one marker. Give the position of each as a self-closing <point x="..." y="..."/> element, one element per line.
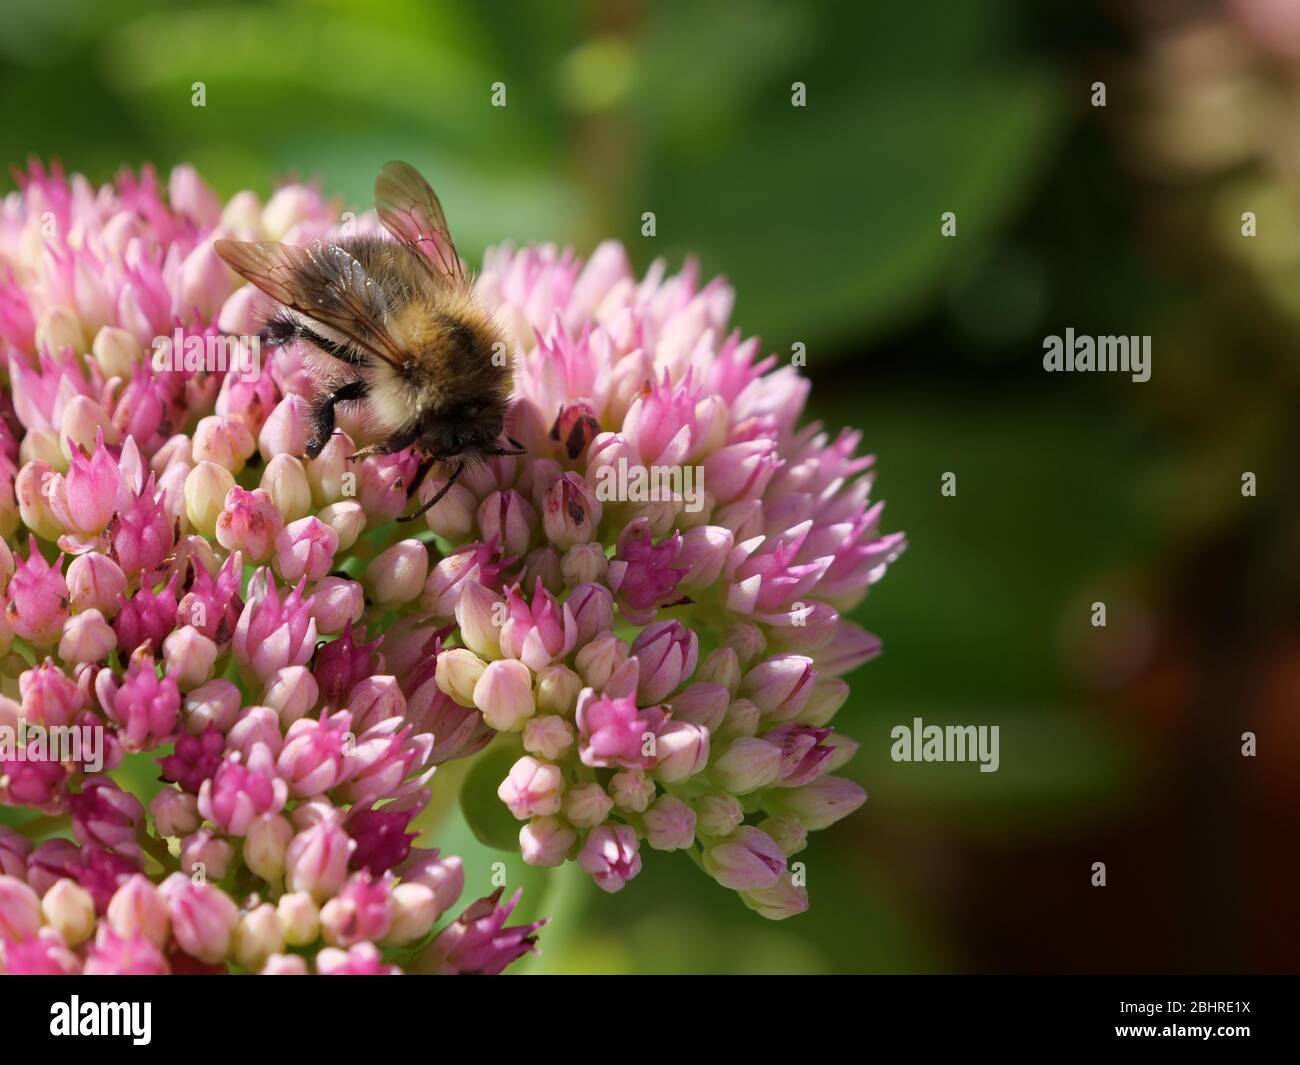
<point x="390" y="325"/>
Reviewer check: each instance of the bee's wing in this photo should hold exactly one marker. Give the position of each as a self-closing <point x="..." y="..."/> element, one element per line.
<point x="323" y="282"/>
<point x="410" y="211"/>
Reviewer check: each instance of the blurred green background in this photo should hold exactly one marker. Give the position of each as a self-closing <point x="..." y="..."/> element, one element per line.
<point x="1119" y="744"/>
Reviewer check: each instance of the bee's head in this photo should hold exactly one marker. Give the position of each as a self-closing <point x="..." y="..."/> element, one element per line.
<point x="468" y="429"/>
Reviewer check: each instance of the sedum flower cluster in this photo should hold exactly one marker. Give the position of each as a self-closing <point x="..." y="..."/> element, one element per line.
<point x="639" y="620"/>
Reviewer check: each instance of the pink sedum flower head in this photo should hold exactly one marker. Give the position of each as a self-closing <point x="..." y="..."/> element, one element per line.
<point x="662" y="667"/>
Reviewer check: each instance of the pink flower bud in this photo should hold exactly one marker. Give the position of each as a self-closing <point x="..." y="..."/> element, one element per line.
<point x="746" y="765"/>
<point x="292" y="693"/>
<point x="299" y="918"/>
<point x="478" y="942"/>
<point x="174" y="812"/>
<point x="385" y="484"/>
<point x="669" y="824"/>
<point x="613" y="732"/>
<point x="375" y="700"/>
<point x="86" y="637"/>
<point x="272" y="632"/>
<point x="358" y="913"/>
<point x="146" y="618"/>
<point x="104" y="814"/>
<point x="205" y="854"/>
<point x="336" y="603"/>
<point x="203" y="917"/>
<point x="779" y="901"/>
<point x="532" y="789"/>
<point x="458" y="672"/>
<point x="50" y="697"/>
<point x="224" y="441"/>
<point x="36" y="601"/>
<point x="747" y="859"/>
<point x="504" y="695"/>
<point x="668" y="652"/>
<point x="204" y="282"/>
<point x="611" y="856"/>
<point x="266" y="845"/>
<point x="312" y="760"/>
<point x="317" y="860"/>
<point x="570" y="511"/>
<point x="718" y="814"/>
<point x="546" y="841"/>
<point x="343" y="663"/>
<point x="593" y="611"/>
<point x="116" y="955"/>
<point x="587" y="805"/>
<point x="347" y="519"/>
<point x="242" y="790"/>
<point x="508" y="518"/>
<point x="141" y="535"/>
<point x="14" y="849"/>
<point x="189" y="657"/>
<point x="396" y="575"/>
<point x="643" y="575"/>
<point x="206" y="487"/>
<point x="285" y="429"/>
<point x="538" y="633"/>
<point x="682" y="750"/>
<point x="212" y="705"/>
<point x="549" y="736"/>
<point x="414" y="911"/>
<point x="445" y="877"/>
<point x="819" y="804"/>
<point x="703" y="704"/>
<point x="95" y="582"/>
<point x="145" y="707"/>
<point x="721" y="666"/>
<point x="780" y="686"/>
<point x="704" y="552"/>
<point x="583" y="564"/>
<point x="331" y="475"/>
<point x="213" y="604"/>
<point x="193" y="760"/>
<point x="249" y="523"/>
<point x="478" y="562"/>
<point x="258" y="936"/>
<point x="86" y="498"/>
<point x="454" y="516"/>
<point x="600" y="659"/>
<point x="381" y="837"/>
<point x="479" y="616"/>
<point x="20" y="911"/>
<point x="557" y="690"/>
<point x="632" y="790"/>
<point x="33" y="489"/>
<point x="139" y="909"/>
<point x="305" y="548"/>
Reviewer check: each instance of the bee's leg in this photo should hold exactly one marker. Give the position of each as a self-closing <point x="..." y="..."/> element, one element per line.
<point x="426" y="464"/>
<point x="515" y="443"/>
<point x="455" y="473"/>
<point x="322" y="414"/>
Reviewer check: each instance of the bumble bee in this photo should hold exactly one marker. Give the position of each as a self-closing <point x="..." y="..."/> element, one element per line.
<point x="391" y="325"/>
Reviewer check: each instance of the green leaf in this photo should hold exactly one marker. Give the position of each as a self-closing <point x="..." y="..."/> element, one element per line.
<point x="485" y="813"/>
